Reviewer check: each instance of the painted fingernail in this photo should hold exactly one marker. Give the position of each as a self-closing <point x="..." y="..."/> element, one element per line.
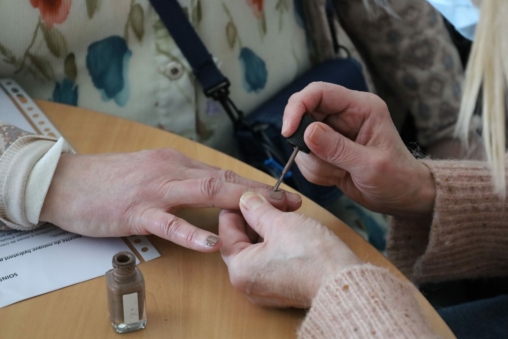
<point x="212" y="240"/>
<point x="251" y="200"/>
<point x="277" y="195"/>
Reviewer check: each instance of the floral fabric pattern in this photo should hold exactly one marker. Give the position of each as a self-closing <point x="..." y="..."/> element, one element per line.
<point x="255" y="74"/>
<point x="254" y="70"/>
<point x="99" y="54"/>
<point x="257" y="7"/>
<point x="107" y="62"/>
<point x="65" y="92"/>
<point x="52" y="12"/>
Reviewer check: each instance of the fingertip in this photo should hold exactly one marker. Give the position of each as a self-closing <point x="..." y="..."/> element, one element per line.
<point x="224" y="211"/>
<point x="284" y="127"/>
<point x="315" y="134"/>
<point x="294" y="201"/>
<point x="293" y="113"/>
<point x="213" y="243"/>
<point x="251" y="201"/>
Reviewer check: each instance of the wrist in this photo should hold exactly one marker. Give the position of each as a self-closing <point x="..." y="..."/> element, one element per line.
<point x="51" y="201"/>
<point x="420" y="194"/>
<point x="332" y="263"/>
<point x="426" y="192"/>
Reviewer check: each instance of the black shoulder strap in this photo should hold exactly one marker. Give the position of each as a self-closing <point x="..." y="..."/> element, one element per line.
<point x="190" y="44"/>
<point x="213" y="82"/>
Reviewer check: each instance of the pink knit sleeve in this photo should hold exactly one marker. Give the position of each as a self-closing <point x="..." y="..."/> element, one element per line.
<point x="365" y="302"/>
<point x="468" y="234"/>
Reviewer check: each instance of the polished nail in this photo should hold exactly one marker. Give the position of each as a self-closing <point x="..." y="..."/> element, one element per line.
<point x="212" y="240"/>
<point x="277" y="195"/>
<point x="251" y="200"/>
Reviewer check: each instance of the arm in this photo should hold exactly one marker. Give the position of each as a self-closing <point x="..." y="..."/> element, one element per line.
<point x="449" y="223"/>
<point x="113" y="195"/>
<point x="365" y="302"/>
<point x="467" y="236"/>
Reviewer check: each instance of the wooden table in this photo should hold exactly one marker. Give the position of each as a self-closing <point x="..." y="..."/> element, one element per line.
<point x="188" y="293"/>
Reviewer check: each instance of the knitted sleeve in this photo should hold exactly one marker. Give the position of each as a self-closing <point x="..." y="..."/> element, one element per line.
<point x="365" y="302"/>
<point x="411" y="56"/>
<point x="467" y="236"/>
<point x="19" y="152"/>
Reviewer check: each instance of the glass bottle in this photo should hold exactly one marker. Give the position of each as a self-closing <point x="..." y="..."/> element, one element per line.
<point x="126" y="294"/>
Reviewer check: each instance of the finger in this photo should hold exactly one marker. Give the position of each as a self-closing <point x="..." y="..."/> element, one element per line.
<point x="179" y="231"/>
<point x="326" y="98"/>
<point x="258" y="212"/>
<point x="317" y="170"/>
<point x="334" y="148"/>
<point x="232" y="230"/>
<point x="293" y="199"/>
<point x="211" y="192"/>
<point x="225" y="175"/>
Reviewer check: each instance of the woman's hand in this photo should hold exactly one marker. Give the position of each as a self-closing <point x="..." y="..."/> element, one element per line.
<point x="113" y="195"/>
<point x="296" y="257"/>
<point x="357" y="148"/>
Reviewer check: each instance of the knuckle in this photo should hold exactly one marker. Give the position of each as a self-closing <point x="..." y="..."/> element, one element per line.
<point x="210" y="187"/>
<point x="238" y="280"/>
<point x="171" y="228"/>
<point x="315" y="85"/>
<point x="228" y="176"/>
<point x="377" y="102"/>
<point x="192" y="235"/>
<point x="337" y="151"/>
<point x="294" y="97"/>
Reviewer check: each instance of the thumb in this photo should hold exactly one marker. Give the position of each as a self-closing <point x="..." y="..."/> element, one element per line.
<point x="333" y="147"/>
<point x="258" y="212"/>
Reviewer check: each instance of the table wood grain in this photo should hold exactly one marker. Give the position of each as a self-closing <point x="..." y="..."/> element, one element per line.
<point x="188" y="293"/>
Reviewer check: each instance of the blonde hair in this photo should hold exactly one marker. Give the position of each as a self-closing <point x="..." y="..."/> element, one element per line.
<point x="487" y="70"/>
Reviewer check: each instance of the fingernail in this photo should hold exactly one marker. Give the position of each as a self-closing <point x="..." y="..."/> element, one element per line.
<point x="277" y="195"/>
<point x="212" y="240"/>
<point x="317" y="134"/>
<point x="251" y="200"/>
<point x="294" y="198"/>
<point x="284" y="126"/>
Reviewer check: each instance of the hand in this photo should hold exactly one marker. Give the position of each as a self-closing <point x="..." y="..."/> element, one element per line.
<point x="357" y="148"/>
<point x="112" y="195"/>
<point x="296" y="257"/>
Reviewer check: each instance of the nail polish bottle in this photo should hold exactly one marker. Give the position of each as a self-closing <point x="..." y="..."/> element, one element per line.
<point x="126" y="294"/>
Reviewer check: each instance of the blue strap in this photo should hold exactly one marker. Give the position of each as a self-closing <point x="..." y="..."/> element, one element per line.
<point x="186" y="38"/>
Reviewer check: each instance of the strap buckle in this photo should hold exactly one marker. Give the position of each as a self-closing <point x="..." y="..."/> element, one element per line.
<point x="219" y="92"/>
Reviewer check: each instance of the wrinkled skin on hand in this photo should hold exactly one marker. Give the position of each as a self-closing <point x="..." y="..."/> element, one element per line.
<point x="356" y="147"/>
<point x="296" y="257"/>
<point x="112" y="195"/>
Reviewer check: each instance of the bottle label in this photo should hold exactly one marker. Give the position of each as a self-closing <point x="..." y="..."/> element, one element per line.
<point x="130" y="308"/>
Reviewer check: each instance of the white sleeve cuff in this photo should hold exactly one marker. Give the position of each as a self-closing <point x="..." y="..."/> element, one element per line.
<point x="40" y="178"/>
